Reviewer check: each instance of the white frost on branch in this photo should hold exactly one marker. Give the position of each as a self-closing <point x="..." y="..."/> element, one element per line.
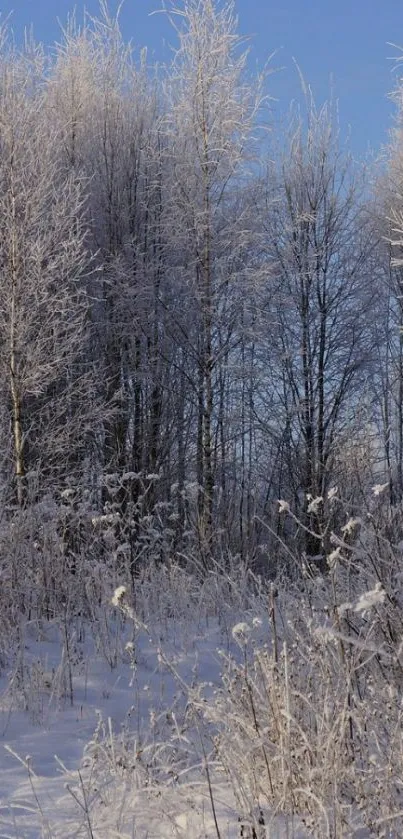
<point x="370" y="599"/>
<point x="378" y="489"/>
<point x="240" y="632"/>
<point x="107" y="518"/>
<point x="333" y="557"/>
<point x="351" y="525"/>
<point x="283" y="506"/>
<point x="118" y="596"/>
<point x="314" y="503"/>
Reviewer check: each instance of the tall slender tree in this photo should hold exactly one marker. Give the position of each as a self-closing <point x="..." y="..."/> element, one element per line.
<point x="42" y="301"/>
<point x="318" y="245"/>
<point x="212" y="112"/>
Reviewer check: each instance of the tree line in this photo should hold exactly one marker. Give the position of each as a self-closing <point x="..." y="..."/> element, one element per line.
<point x="200" y="313"/>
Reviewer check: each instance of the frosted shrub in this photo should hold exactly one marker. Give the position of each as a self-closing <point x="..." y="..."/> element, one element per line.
<point x="308" y="725"/>
<point x="310" y="735"/>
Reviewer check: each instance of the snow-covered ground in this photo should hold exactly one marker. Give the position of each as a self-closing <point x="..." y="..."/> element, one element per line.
<point x="90" y="750"/>
<point x="172" y="713"/>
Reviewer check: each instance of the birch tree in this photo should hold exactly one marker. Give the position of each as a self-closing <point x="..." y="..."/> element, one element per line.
<point x="212" y="111"/>
<point x="42" y="308"/>
<point x="106" y="106"/>
<point x="318" y="245"/>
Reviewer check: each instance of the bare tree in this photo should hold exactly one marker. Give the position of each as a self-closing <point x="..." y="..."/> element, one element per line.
<point x="211" y="115"/>
<point x="317" y="244"/>
<point x="42" y="310"/>
<point x="388" y="373"/>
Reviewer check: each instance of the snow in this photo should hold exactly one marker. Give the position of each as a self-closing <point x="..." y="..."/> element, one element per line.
<point x="370" y="599"/>
<point x="54" y="755"/>
<point x="138" y="723"/>
<point x="378" y="489"/>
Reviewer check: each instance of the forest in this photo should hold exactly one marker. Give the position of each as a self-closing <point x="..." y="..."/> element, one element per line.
<point x="201" y="369"/>
<point x="198" y="317"/>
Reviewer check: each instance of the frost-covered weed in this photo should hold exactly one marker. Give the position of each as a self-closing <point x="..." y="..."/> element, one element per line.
<point x="304" y="729"/>
<point x="309" y="723"/>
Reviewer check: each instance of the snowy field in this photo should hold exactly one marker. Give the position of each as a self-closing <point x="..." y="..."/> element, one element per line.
<point x="104" y="735"/>
<point x="42" y="791"/>
<point x="43" y="747"/>
<point x="201" y="709"/>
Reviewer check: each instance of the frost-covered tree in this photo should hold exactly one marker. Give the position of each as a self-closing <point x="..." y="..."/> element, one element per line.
<point x="106" y="106"/>
<point x="46" y="390"/>
<point x="212" y="111"/>
<point x="318" y="245"/>
<point x="387" y="381"/>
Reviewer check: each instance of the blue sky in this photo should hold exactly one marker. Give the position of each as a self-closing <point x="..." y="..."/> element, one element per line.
<point x="340" y="40"/>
